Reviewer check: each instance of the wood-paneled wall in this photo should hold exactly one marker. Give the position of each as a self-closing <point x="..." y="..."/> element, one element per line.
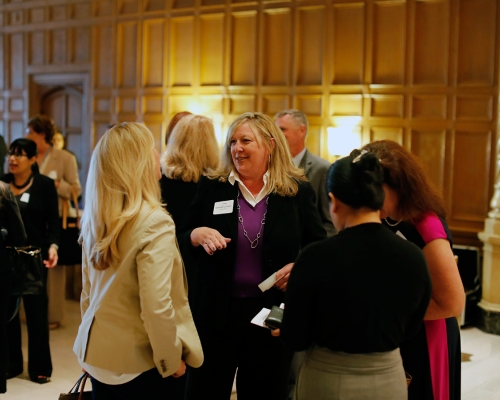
<point x="422" y="72"/>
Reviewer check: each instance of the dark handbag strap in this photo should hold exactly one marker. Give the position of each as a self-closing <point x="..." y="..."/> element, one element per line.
<point x="79" y="386"/>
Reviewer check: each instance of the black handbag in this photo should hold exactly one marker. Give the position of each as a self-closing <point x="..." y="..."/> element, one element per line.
<point x="77" y="392"/>
<point x="27" y="270"/>
<point x="70" y="251"/>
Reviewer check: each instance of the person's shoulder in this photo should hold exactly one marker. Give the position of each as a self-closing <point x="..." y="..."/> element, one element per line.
<point x="43" y="180"/>
<point x="431" y="227"/>
<point x="317" y="160"/>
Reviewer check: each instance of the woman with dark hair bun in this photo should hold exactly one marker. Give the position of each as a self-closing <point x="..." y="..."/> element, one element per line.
<point x="414" y="209"/>
<point x="353" y="298"/>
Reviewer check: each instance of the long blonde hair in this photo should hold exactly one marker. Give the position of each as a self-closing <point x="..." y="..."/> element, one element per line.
<point x="192" y="149"/>
<point x="283" y="174"/>
<point x="121" y="177"/>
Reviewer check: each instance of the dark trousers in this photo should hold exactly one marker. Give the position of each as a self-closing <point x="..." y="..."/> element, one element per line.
<point x="262" y="360"/>
<point x="39" y="360"/>
<point x="148" y="385"/>
<point x="5" y="280"/>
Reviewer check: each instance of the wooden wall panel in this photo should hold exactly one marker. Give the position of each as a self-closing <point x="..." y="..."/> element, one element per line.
<point x="313" y="139"/>
<point x="36" y="15"/>
<point x="16" y="130"/>
<point x="238" y="104"/>
<point x="474" y="107"/>
<point x="103" y="42"/>
<point x="103" y="8"/>
<point x="182" y="51"/>
<point x="2" y="63"/>
<point x="477" y="25"/>
<point x="311" y="105"/>
<point x="389" y="38"/>
<point x="81" y="45"/>
<point x="154" y="50"/>
<point x="309" y="59"/>
<point x="387" y="106"/>
<point x="346" y="105"/>
<point x="127" y="54"/>
<point x="430" y="147"/>
<point x="154" y="5"/>
<point x="348" y="44"/>
<point x="16" y="61"/>
<point x="212" y="49"/>
<point x="244" y="48"/>
<point x="58" y="46"/>
<point x="386" y="133"/>
<point x="153" y="105"/>
<point x="470" y="176"/>
<point x="272" y="104"/>
<point x="432" y="26"/>
<point x="276" y="47"/>
<point x="128" y="6"/>
<point x="16" y="105"/>
<point x="429" y="106"/>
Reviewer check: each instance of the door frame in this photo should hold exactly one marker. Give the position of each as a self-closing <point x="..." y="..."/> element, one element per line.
<point x="42" y="83"/>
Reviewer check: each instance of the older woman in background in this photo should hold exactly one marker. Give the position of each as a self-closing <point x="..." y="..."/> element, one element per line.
<point x="36" y="197"/>
<point x="137" y="331"/>
<point x="248" y="221"/>
<point x="192" y="152"/>
<point x="12" y="234"/>
<point x="414" y="209"/>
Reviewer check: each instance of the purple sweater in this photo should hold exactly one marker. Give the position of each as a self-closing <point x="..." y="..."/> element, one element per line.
<point x="248" y="268"/>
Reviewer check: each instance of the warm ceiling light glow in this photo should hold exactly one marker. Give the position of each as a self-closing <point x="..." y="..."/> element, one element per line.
<point x="344" y="137"/>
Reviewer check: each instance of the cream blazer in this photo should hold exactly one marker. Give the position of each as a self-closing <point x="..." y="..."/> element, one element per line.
<point x="136" y="315"/>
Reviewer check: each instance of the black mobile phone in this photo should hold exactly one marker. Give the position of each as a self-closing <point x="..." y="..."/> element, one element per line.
<point x="274" y="318"/>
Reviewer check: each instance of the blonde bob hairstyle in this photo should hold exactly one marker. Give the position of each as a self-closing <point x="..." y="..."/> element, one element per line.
<point x="192" y="149"/>
<point x="122" y="176"/>
<point x="284" y="176"/>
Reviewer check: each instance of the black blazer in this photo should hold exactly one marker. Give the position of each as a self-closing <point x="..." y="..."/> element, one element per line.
<point x="291" y="224"/>
<point x="10" y="222"/>
<point x="40" y="214"/>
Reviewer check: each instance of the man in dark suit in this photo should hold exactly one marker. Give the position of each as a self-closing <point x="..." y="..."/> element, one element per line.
<point x="294" y="125"/>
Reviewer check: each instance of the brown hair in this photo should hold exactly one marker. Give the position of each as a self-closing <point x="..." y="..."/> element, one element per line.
<point x="43" y="124"/>
<point x="404" y="173"/>
<point x="175" y="119"/>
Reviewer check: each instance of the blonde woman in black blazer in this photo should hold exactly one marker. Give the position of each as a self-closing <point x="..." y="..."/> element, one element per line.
<point x="248" y="221"/>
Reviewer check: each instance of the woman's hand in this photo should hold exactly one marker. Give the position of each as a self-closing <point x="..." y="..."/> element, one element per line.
<point x="53" y="258"/>
<point x="209" y="238"/>
<point x="181" y="370"/>
<point x="275" y="332"/>
<point x="282" y="276"/>
<point x="448" y="294"/>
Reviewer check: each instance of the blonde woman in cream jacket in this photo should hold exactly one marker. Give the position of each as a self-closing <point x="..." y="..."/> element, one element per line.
<point x="137" y="332"/>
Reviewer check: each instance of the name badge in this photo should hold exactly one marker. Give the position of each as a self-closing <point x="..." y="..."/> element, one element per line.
<point x="25" y="197"/>
<point x="223" y="207"/>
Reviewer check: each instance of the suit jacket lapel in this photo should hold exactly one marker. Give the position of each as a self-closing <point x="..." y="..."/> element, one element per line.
<point x="305" y="163"/>
<point x="274" y="212"/>
<point x="231" y="193"/>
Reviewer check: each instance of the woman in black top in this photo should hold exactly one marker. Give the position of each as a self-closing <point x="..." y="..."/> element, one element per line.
<point x="192" y="151"/>
<point x="353" y="298"/>
<point x="36" y="197"/>
<point x="12" y="234"/>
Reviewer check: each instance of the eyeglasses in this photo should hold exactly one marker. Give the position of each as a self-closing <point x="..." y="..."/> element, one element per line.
<point x="17" y="156"/>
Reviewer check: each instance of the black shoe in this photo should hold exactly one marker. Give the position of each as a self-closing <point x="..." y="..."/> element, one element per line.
<point x="41" y="379"/>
